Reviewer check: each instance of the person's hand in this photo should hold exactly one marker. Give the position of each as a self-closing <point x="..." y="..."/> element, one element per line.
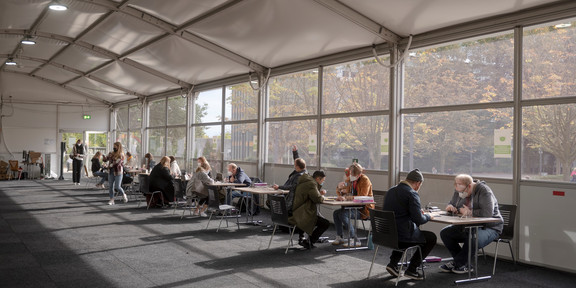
<point x="322" y="192"/>
<point x="294" y="147"/>
<point x="451" y="208"/>
<point x="275" y="187"/>
<point x="232" y="179"/>
<point x="430" y="215"/>
<point x="340" y="198"/>
<point x="465" y="211"/>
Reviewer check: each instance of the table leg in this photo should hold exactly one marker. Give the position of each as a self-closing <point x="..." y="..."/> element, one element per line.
<point x="472" y="230"/>
<point x="355" y="226"/>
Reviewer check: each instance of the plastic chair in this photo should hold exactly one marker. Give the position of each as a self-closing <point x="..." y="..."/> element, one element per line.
<point x="89" y="176"/>
<point x="214" y="207"/>
<point x="144" y="181"/>
<point x="385" y="233"/>
<point x="279" y="215"/>
<point x="508" y="213"/>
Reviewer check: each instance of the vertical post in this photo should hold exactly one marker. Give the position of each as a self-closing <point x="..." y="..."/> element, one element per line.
<point x="411" y="160"/>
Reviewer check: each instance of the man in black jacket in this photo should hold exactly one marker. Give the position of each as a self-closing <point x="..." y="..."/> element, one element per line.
<point x="404" y="200"/>
<point x="290" y="185"/>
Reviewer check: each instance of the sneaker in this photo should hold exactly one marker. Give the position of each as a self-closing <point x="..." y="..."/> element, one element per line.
<point x="338" y="241"/>
<point x="462" y="269"/>
<point x="353" y="243"/>
<point x="125" y="198"/>
<point x="110" y="202"/>
<point x="447" y="267"/>
<point x="414" y="275"/>
<point x="196" y="213"/>
<point x="203" y="214"/>
<point x="393" y="270"/>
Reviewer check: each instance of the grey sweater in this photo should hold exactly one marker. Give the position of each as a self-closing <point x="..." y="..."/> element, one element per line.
<point x="483" y="202"/>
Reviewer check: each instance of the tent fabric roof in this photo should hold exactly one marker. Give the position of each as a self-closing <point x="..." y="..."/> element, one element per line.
<point x="114" y="51"/>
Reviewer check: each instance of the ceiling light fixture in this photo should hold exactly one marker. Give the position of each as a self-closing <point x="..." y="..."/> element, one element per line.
<point x="56" y="6"/>
<point x="562" y="25"/>
<point x="10" y="62"/>
<point x="28" y="41"/>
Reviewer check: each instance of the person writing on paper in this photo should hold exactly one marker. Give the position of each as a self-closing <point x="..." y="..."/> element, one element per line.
<point x="359" y="185"/>
<point x="404" y="200"/>
<point x="237" y="175"/>
<point x="305" y="214"/>
<point x="471" y="198"/>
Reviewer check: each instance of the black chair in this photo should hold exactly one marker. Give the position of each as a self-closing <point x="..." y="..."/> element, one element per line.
<point x="508" y="213"/>
<point x="144" y="181"/>
<point x="215" y="207"/>
<point x="279" y="215"/>
<point x="385" y="233"/>
<point x="178" y="193"/>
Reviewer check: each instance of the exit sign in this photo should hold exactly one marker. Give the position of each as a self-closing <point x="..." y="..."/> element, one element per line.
<point x="86" y="117"/>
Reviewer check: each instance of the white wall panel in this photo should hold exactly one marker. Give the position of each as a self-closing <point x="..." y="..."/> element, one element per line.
<point x="547" y="231"/>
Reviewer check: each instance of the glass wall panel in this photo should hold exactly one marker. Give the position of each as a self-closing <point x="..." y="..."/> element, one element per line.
<point x="476" y="70"/>
<point x="282" y="135"/>
<point x="207" y="144"/>
<point x="122" y="119"/>
<point x="355" y="87"/>
<point x="177" y="110"/>
<point x="360" y="138"/>
<point x="476" y="142"/>
<point x="208" y="106"/>
<point x="176" y="143"/>
<point x="157" y="113"/>
<point x="135" y="116"/>
<point x="549" y="143"/>
<point x="241" y="102"/>
<point x="240" y="142"/>
<point x="135" y="145"/>
<point x="293" y="95"/>
<point x="549" y="54"/>
<point x="121" y="137"/>
<point x="156" y="142"/>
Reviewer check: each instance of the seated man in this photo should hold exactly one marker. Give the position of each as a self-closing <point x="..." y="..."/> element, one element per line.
<point x="290" y="185"/>
<point x="237" y="175"/>
<point x="471" y="198"/>
<point x="404" y="201"/>
<point x="304" y="210"/>
<point x="358" y="185"/>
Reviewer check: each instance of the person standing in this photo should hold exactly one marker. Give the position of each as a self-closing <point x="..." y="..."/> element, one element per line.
<point x="78" y="153"/>
<point x="404" y="201"/>
<point x="471" y="198"/>
<point x="116" y="170"/>
<point x="305" y="214"/>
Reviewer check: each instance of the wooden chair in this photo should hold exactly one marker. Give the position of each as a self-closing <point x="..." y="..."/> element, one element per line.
<point x="14" y="169"/>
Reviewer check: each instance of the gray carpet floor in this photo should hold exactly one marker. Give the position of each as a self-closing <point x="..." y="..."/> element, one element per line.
<point x="55" y="234"/>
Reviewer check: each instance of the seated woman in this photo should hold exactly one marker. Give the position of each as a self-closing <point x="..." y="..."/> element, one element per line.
<point x="358" y="185"/>
<point x="200" y="181"/>
<point x="174" y="168"/>
<point x="149" y="162"/>
<point x="130" y="161"/>
<point x="202" y="162"/>
<point x="161" y="180"/>
<point x="97" y="170"/>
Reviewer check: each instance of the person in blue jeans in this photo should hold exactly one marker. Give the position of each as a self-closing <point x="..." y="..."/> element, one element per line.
<point x="237" y="175"/>
<point x="471" y="198"/>
<point x="116" y="170"/>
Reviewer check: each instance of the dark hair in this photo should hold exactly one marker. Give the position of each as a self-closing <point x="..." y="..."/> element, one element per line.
<point x="319" y="174"/>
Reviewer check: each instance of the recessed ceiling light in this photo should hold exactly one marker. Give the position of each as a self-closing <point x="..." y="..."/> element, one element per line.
<point x="10" y="62"/>
<point x="56" y="6"/>
<point x="562" y="25"/>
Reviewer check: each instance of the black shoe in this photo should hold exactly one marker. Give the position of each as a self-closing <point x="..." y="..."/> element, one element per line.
<point x="306" y="244"/>
<point x="414" y="275"/>
<point x="301" y="241"/>
<point x="393" y="270"/>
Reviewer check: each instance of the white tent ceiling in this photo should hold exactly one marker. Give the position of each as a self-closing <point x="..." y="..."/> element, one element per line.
<point x="113" y="51"/>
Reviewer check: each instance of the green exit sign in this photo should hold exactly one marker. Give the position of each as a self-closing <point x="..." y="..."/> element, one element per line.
<point x="86" y="117"/>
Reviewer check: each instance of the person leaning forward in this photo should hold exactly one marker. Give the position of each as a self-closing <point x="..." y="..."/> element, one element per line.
<point x="305" y="212"/>
<point x="404" y="201"/>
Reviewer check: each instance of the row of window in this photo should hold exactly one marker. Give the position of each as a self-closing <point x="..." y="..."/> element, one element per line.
<point x="475" y="137"/>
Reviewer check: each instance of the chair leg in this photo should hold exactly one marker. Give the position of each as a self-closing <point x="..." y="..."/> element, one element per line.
<point x="209" y="218"/>
<point x="483" y="254"/>
<point x="150" y="202"/>
<point x="221" y="218"/>
<point x="495" y="257"/>
<point x="401" y="271"/>
<point x="373" y="258"/>
<point x="273" y="231"/>
<point x="421" y="263"/>
<point x="511" y="252"/>
<point x="290" y="240"/>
